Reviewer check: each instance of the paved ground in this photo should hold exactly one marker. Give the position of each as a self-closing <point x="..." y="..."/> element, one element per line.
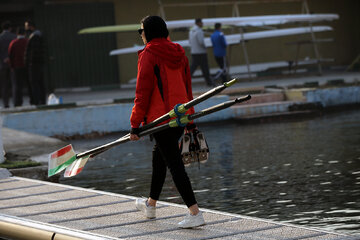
<point x="23" y="143"/>
<point x="89" y="214"/>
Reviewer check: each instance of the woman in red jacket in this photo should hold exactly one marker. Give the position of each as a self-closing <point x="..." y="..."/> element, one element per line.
<point x="163" y="81"/>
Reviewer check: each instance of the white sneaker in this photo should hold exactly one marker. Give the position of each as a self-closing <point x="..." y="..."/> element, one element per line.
<point x="191" y="221"/>
<point x="149" y="211"/>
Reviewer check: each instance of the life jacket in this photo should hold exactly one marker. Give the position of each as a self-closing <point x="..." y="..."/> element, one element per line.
<point x="163" y="81"/>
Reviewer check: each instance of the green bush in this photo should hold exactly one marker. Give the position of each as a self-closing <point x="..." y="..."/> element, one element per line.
<point x="18" y="164"/>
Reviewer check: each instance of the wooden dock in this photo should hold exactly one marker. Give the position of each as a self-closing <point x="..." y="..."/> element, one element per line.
<point x="32" y="209"/>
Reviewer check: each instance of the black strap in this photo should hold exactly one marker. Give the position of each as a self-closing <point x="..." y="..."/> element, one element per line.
<point x="159" y="82"/>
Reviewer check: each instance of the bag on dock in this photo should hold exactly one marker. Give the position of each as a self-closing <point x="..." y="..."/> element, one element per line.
<point x="193" y="147"/>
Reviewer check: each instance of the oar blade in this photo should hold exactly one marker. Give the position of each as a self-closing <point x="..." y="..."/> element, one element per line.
<point x="76" y="167"/>
<point x="61" y="159"/>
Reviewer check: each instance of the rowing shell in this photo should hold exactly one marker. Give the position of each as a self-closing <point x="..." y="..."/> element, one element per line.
<point x="236" y="38"/>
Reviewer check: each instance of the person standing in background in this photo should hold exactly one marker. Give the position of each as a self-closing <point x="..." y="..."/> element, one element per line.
<point x="198" y="52"/>
<point x="219" y="46"/>
<point x="17" y="63"/>
<point x="34" y="61"/>
<point x="5" y="74"/>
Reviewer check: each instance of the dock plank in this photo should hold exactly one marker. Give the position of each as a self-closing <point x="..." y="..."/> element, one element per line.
<point x="102" y="215"/>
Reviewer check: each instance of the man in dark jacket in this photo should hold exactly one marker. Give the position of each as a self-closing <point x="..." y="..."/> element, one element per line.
<point x="34" y="60"/>
<point x="5" y="78"/>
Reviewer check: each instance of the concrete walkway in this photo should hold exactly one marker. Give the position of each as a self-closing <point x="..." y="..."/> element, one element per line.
<point x="57" y="211"/>
<point x="24" y="143"/>
<point x="128" y="91"/>
<point x="85" y="96"/>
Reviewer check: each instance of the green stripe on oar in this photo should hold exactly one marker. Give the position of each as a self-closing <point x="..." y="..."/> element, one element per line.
<point x="61" y="167"/>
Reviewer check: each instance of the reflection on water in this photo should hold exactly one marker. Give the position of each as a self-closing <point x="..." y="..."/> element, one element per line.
<point x="304" y="172"/>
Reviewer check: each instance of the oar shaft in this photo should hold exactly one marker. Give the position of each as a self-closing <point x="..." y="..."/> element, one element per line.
<point x="218" y="107"/>
<point x="209" y="94"/>
<point x="103" y="148"/>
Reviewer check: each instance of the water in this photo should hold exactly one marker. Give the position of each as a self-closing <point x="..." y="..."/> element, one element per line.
<point x="305" y="172"/>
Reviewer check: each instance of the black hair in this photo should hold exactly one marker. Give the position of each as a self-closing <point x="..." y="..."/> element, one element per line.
<point x="217" y="25"/>
<point x="6" y="25"/>
<point x="30" y="23"/>
<point x="198" y="20"/>
<point x="154" y="27"/>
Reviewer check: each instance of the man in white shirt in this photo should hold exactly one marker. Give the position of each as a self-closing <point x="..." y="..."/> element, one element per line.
<point x="198" y="52"/>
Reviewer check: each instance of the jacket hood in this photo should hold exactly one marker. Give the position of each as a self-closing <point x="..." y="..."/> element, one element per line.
<point x="171" y="52"/>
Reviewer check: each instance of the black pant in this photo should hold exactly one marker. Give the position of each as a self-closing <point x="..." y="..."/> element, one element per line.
<point x="5" y="81"/>
<point x="166" y="154"/>
<point x="19" y="79"/>
<point x="36" y="79"/>
<point x="223" y="73"/>
<point x="202" y="61"/>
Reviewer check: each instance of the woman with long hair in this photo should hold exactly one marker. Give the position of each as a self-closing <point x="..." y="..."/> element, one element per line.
<point x="163" y="80"/>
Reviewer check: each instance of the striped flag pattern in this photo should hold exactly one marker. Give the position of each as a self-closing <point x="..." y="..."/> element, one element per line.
<point x="76" y="167"/>
<point x="61" y="159"/>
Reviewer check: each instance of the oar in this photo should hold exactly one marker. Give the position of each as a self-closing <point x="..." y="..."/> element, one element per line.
<point x="66" y="156"/>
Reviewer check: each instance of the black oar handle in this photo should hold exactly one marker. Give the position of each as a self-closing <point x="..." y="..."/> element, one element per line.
<point x="218" y="107"/>
<point x="209" y="94"/>
<point x="95" y="151"/>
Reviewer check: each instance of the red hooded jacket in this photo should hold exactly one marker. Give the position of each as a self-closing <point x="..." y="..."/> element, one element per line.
<point x="163" y="81"/>
<point x="17" y="52"/>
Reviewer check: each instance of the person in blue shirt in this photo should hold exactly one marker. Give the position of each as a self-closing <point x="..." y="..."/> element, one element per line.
<point x="219" y="46"/>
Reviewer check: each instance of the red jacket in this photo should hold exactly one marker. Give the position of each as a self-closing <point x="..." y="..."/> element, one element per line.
<point x="163" y="81"/>
<point x="16" y="52"/>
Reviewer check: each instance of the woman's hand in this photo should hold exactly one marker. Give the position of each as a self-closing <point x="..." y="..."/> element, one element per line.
<point x="134" y="134"/>
<point x="134" y="137"/>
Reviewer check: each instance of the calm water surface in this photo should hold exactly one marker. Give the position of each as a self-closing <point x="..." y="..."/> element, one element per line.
<point x="304" y="172"/>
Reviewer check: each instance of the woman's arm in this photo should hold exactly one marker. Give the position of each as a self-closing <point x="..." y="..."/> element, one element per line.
<point x="144" y="88"/>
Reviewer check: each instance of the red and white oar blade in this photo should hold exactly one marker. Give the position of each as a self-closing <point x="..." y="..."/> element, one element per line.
<point x="76" y="167"/>
<point x="61" y="159"/>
